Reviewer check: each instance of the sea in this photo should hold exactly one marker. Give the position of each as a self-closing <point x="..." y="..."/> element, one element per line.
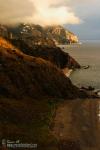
<point x="86" y="53"/>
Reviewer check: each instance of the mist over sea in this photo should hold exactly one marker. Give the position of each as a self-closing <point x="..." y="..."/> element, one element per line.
<point x="87" y="53"/>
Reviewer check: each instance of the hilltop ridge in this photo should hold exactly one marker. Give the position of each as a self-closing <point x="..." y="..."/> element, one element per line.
<point x="38" y="35"/>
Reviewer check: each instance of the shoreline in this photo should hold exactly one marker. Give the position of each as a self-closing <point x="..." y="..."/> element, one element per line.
<point x="67" y="71"/>
<point x="62" y="46"/>
<point x="92" y="93"/>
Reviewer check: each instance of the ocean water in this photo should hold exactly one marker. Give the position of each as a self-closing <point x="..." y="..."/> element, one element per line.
<point x="87" y="53"/>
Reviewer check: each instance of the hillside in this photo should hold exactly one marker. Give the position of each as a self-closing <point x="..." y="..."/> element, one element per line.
<point x="38" y="35"/>
<point x="54" y="54"/>
<point x="30" y="89"/>
<point x="34" y="34"/>
<point x="61" y="35"/>
<point x="31" y="76"/>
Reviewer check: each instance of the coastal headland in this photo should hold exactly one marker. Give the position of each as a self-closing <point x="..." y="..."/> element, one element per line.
<point x="33" y="83"/>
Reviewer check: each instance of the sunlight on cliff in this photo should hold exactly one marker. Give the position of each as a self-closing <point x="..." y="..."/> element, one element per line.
<point x="5" y="44"/>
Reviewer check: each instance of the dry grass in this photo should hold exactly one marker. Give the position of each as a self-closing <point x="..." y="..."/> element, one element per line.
<point x="32" y="76"/>
<point x="5" y="44"/>
<point x="26" y="120"/>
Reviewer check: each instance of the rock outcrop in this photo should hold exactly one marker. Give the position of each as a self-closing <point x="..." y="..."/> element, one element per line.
<point x="35" y="34"/>
<point x="61" y="35"/>
<point x="38" y="35"/>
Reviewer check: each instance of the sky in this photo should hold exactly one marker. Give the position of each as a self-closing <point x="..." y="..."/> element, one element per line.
<point x="89" y="12"/>
<point x="80" y="16"/>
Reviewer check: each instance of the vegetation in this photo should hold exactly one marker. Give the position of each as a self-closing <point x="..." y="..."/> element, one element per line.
<point x="26" y="120"/>
<point x="29" y="90"/>
<point x="54" y="54"/>
<point x="24" y="75"/>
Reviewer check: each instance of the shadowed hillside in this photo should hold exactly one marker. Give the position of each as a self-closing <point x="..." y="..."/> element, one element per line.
<point x="24" y="75"/>
<point x="53" y="54"/>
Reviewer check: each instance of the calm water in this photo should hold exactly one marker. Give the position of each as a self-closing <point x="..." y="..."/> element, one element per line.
<point x="88" y="53"/>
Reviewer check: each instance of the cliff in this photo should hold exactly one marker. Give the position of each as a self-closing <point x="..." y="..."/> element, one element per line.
<point x="54" y="54"/>
<point x="35" y="34"/>
<point x="29" y="90"/>
<point x="38" y="35"/>
<point x="24" y="75"/>
<point x="61" y="35"/>
<point x="37" y="41"/>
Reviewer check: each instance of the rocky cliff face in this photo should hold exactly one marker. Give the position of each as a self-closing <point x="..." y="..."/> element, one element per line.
<point x="3" y="31"/>
<point x="61" y="35"/>
<point x="34" y="34"/>
<point x="41" y="42"/>
<point x="38" y="35"/>
<point x="72" y="38"/>
<point x="54" y="54"/>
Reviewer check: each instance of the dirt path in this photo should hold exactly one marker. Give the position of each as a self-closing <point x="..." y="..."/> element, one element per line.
<point x="77" y="124"/>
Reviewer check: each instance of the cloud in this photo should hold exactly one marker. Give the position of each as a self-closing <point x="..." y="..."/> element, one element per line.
<point x="44" y="12"/>
<point x="13" y="11"/>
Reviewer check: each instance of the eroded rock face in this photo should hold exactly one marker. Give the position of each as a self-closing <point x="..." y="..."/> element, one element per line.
<point x="61" y="35"/>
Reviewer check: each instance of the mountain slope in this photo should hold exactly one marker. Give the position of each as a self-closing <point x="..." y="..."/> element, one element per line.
<point x="38" y="35"/>
<point x="23" y="75"/>
<point x="29" y="90"/>
<point x="61" y="35"/>
<point x="54" y="54"/>
<point x="35" y="34"/>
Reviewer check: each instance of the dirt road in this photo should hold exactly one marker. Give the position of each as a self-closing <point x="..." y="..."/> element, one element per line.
<point x="77" y="124"/>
